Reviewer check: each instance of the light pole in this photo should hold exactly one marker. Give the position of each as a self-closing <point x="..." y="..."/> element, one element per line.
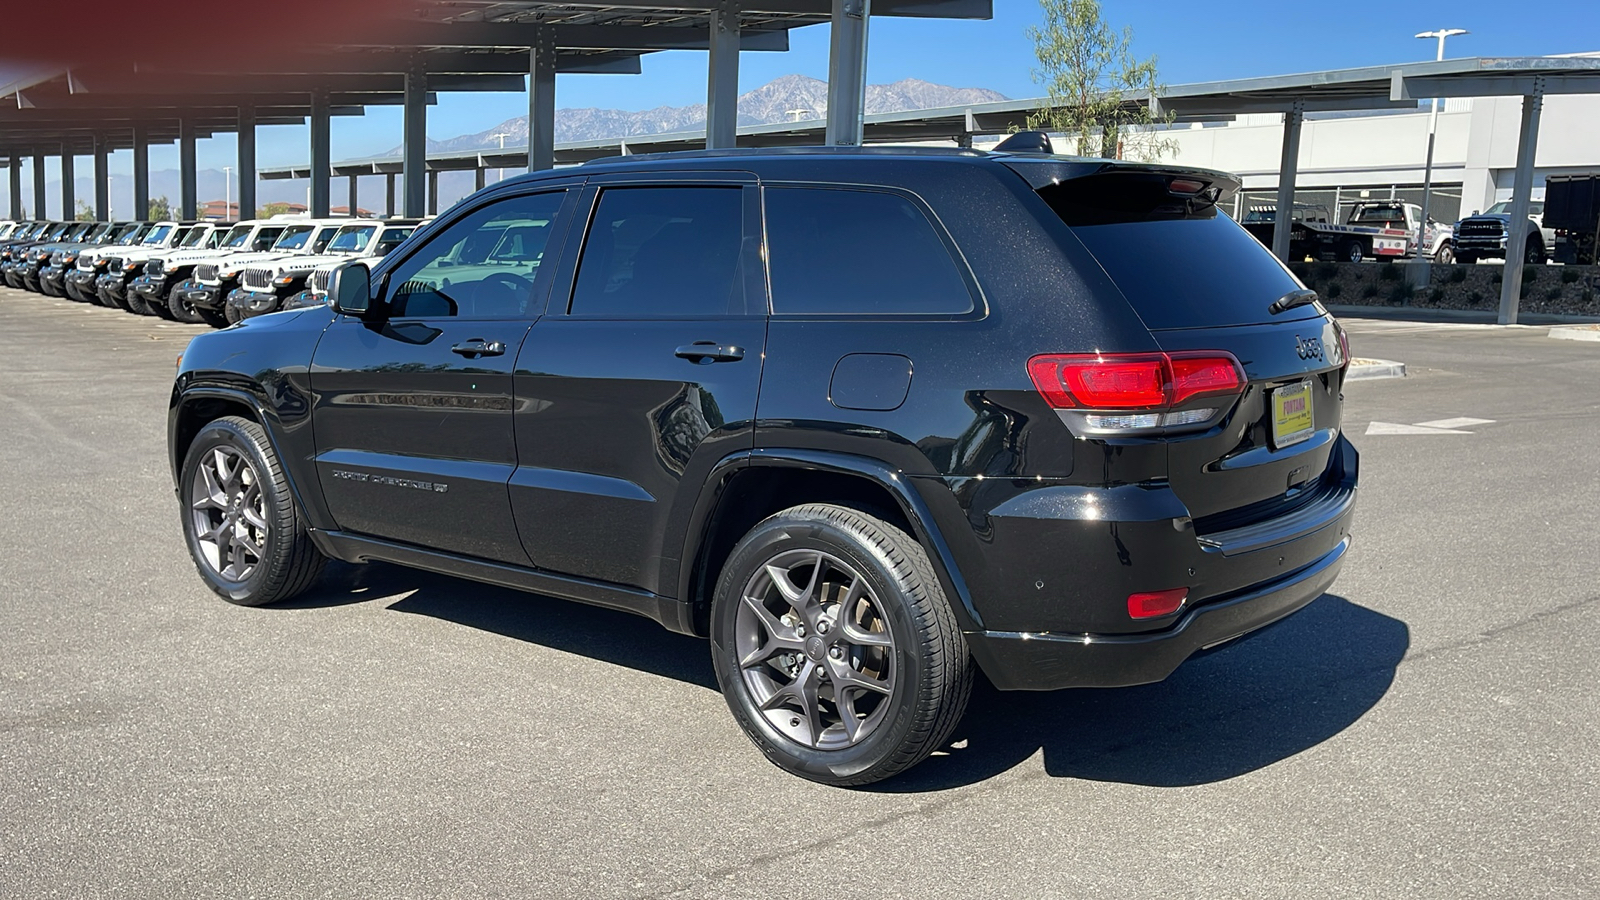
<point x="1433" y="125"/>
<point x="227" y="193"/>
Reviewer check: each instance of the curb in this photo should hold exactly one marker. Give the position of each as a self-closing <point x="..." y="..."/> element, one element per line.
<point x="1576" y="332"/>
<point x="1373" y="369"/>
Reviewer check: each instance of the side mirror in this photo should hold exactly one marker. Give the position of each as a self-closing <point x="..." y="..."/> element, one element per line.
<point x="1474" y="212"/>
<point x="350" y="289"/>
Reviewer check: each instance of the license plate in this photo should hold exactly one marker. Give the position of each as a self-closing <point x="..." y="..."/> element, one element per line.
<point x="1291" y="414"/>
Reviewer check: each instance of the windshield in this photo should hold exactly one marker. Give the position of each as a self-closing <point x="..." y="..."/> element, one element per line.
<point x="351" y="238"/>
<point x="135" y="236"/>
<point x="1503" y="208"/>
<point x="237" y="236"/>
<point x="158" y="234"/>
<point x="1378" y="215"/>
<point x="197" y="237"/>
<point x="294" y="238"/>
<point x="392" y="238"/>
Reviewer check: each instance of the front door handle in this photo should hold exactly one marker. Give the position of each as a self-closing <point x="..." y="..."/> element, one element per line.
<point x="707" y="352"/>
<point x="477" y="347"/>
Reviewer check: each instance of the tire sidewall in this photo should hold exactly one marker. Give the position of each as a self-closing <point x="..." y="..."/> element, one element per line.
<point x="911" y="674"/>
<point x="224" y="432"/>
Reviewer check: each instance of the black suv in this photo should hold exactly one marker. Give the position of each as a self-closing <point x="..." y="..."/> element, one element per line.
<point x="869" y="419"/>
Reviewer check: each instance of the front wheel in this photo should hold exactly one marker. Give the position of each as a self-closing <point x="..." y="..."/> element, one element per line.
<point x="835" y="647"/>
<point x="244" y="531"/>
<point x="1445" y="256"/>
<point x="1533" y="253"/>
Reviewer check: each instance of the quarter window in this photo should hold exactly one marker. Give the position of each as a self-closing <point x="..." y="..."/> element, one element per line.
<point x="482" y="266"/>
<point x="662" y="252"/>
<point x="848" y="252"/>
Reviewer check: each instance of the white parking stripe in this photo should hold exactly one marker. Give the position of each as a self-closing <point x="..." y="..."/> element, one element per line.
<point x="1392" y="428"/>
<point x="1462" y="422"/>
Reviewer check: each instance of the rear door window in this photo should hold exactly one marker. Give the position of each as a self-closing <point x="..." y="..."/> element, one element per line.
<point x="1179" y="262"/>
<point x="654" y="252"/>
<point x="855" y="252"/>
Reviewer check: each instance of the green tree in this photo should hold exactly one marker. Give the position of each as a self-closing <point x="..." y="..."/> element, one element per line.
<point x="160" y="208"/>
<point x="1095" y="84"/>
<point x="85" y="212"/>
<point x="272" y="209"/>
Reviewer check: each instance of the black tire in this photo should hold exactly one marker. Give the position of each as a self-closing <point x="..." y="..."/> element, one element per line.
<point x="212" y="317"/>
<point x="136" y="304"/>
<point x="926" y="662"/>
<point x="230" y="314"/>
<point x="182" y="310"/>
<point x="287" y="562"/>
<point x="1444" y="256"/>
<point x="1533" y="252"/>
<point x="1352" y="252"/>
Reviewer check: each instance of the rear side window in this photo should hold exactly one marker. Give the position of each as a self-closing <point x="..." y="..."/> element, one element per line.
<point x="661" y="252"/>
<point x="852" y="252"/>
<point x="1179" y="262"/>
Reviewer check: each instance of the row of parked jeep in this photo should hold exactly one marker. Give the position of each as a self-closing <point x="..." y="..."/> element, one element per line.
<point x="212" y="272"/>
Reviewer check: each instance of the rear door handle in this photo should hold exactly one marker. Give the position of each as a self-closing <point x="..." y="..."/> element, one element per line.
<point x="707" y="352"/>
<point x="477" y="347"/>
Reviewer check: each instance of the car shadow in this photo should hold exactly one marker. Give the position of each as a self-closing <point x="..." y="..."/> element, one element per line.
<point x="1259" y="700"/>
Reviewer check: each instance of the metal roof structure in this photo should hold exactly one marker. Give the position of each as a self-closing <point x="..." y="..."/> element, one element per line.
<point x="404" y="55"/>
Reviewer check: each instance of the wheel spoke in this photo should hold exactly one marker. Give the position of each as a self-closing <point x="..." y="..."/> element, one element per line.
<point x="847" y="713"/>
<point x="253" y="517"/>
<point x="855" y="634"/>
<point x="847" y="677"/>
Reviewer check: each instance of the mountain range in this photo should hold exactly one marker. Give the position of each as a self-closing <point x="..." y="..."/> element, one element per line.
<point x="784" y="99"/>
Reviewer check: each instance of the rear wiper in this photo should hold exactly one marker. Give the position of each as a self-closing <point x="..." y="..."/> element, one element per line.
<point x="1291" y="300"/>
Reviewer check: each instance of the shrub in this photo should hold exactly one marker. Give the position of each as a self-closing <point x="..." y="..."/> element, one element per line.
<point x="1436" y="296"/>
<point x="1301" y="271"/>
<point x="1476" y="297"/>
<point x="1334" y="290"/>
<point x="1400" y="294"/>
<point x="1569" y="275"/>
<point x="1389" y="272"/>
<point x="1458" y="274"/>
<point x="1498" y="276"/>
<point x="1325" y="271"/>
<point x="1369" y="291"/>
<point x="1530" y="274"/>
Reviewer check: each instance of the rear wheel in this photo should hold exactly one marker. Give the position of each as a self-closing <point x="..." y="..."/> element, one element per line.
<point x="835" y="647"/>
<point x="244" y="531"/>
<point x="1353" y="252"/>
<point x="1533" y="252"/>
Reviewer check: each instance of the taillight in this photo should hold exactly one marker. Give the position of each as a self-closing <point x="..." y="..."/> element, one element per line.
<point x="1139" y="390"/>
<point x="1344" y="348"/>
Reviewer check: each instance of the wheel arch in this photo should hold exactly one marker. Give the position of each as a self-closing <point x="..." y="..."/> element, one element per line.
<point x="746" y="487"/>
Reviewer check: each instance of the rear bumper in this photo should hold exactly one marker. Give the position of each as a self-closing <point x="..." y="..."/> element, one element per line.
<point x="1021" y="661"/>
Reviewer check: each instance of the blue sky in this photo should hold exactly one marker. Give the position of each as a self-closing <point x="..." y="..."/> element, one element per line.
<point x="1193" y="41"/>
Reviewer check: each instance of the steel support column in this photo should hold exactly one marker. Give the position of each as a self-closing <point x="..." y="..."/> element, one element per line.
<point x="1288" y="169"/>
<point x="38" y="186"/>
<point x="433" y="192"/>
<point x="1521" y="196"/>
<point x="722" y="77"/>
<point x="388" y="194"/>
<point x="188" y="202"/>
<point x="16" y="187"/>
<point x="102" y="179"/>
<point x="477" y="178"/>
<point x="355" y="198"/>
<point x="69" y="187"/>
<point x="542" y="102"/>
<point x="141" y="173"/>
<point x="321" y="155"/>
<point x="414" y="143"/>
<point x="247" y="162"/>
<point x="847" y="72"/>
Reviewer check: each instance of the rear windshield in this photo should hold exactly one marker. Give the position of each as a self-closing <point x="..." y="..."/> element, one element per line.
<point x="1179" y="262"/>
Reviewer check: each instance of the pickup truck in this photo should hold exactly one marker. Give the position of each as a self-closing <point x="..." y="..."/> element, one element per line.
<point x="266" y="286"/>
<point x="1384" y="228"/>
<point x="1484" y="235"/>
<point x="1572" y="211"/>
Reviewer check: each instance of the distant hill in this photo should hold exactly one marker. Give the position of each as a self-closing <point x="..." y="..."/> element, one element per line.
<point x="784" y="99"/>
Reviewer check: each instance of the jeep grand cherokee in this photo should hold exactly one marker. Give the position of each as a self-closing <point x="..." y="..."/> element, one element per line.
<point x="868" y="419"/>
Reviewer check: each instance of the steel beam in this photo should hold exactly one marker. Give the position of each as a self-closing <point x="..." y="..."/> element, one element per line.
<point x="1404" y="87"/>
<point x="542" y="102"/>
<point x="414" y="142"/>
<point x="69" y="185"/>
<point x="188" y="202"/>
<point x="575" y="37"/>
<point x="847" y="72"/>
<point x="321" y="155"/>
<point x="722" y="78"/>
<point x="102" y="179"/>
<point x="247" y="162"/>
<point x="1521" y="196"/>
<point x="16" y="187"/>
<point x="141" y="173"/>
<point x="38" y="186"/>
<point x="478" y="175"/>
<point x="1288" y="168"/>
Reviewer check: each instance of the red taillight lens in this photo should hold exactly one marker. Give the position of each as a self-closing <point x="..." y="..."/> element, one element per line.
<point x="1153" y="604"/>
<point x="1344" y="349"/>
<point x="1133" y="380"/>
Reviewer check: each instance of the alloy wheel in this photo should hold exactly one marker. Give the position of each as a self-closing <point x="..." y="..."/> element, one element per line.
<point x="815" y="649"/>
<point x="229" y="513"/>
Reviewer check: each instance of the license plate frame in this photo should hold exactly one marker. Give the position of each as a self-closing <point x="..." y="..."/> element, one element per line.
<point x="1289" y="425"/>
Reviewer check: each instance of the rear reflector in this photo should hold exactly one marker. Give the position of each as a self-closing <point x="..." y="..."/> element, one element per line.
<point x="1133" y="381"/>
<point x="1153" y="604"/>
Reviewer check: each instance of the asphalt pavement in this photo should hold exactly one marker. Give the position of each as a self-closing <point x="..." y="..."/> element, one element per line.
<point x="1429" y="729"/>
